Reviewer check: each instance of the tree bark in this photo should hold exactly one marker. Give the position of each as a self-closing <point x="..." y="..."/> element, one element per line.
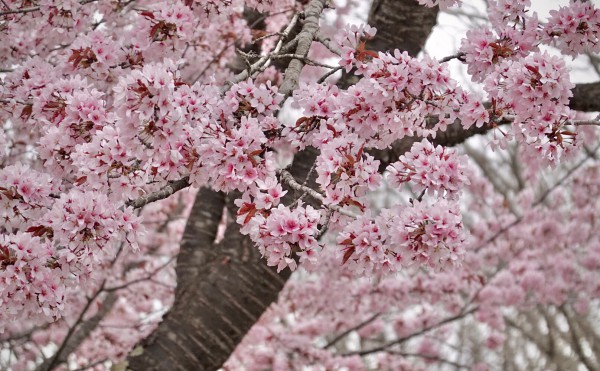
<point x="586" y="97"/>
<point x="222" y="290"/>
<point x="405" y="25"/>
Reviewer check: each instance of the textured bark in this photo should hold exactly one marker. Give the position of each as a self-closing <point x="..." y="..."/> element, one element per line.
<point x="586" y="97"/>
<point x="224" y="288"/>
<point x="401" y="24"/>
<point x="306" y="36"/>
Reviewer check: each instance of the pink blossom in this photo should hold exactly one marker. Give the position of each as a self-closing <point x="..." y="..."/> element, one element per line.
<point x="433" y="169"/>
<point x="574" y="29"/>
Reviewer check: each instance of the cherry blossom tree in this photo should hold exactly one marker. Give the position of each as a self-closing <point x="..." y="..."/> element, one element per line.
<point x="167" y="165"/>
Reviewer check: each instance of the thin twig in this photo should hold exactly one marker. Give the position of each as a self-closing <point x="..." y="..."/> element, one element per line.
<point x="401" y="340"/>
<point x="227" y="46"/>
<point x="58" y="356"/>
<point x="306" y="179"/>
<point x="34" y="9"/>
<point x="141" y="279"/>
<point x="161" y="194"/>
<point x="593" y="122"/>
<point x="6" y="5"/>
<point x="91" y="365"/>
<point x="304" y="59"/>
<point x="254" y="41"/>
<point x="430" y="358"/>
<point x="325" y="76"/>
<point x="354" y="328"/>
<point x="264" y="60"/>
<point x="460" y="56"/>
<point x="288" y="179"/>
<point x="20" y="11"/>
<point x="327" y="43"/>
<point x="458" y="12"/>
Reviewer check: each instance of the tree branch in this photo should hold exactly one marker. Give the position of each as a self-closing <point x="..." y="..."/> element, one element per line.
<point x="80" y="330"/>
<point x="431" y="358"/>
<point x="161" y="194"/>
<point x="541" y="198"/>
<point x="312" y="14"/>
<point x="401" y="340"/>
<point x="34" y="9"/>
<point x="288" y="179"/>
<point x="348" y="331"/>
<point x="586" y="97"/>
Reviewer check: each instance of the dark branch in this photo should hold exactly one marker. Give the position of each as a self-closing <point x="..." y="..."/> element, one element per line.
<point x="404" y="339"/>
<point x="80" y="330"/>
<point x="161" y="194"/>
<point x="354" y="328"/>
<point x="586" y="97"/>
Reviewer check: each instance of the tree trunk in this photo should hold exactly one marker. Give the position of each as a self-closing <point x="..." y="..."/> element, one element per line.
<point x="405" y="25"/>
<point x="222" y="290"/>
<point x="586" y="97"/>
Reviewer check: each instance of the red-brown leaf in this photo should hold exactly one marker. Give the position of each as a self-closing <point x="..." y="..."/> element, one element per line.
<point x="81" y="180"/>
<point x="26" y="112"/>
<point x="349" y="251"/>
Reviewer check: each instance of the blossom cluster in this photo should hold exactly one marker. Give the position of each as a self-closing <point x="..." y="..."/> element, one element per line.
<point x="437" y="170"/>
<point x="516" y="33"/>
<point x="351" y="43"/>
<point x="431" y="234"/>
<point x="233" y="149"/>
<point x="574" y="29"/>
<point x="236" y="159"/>
<point x="399" y="96"/>
<point x="345" y="172"/>
<point x="32" y="283"/>
<point x="94" y="54"/>
<point x="484" y="50"/>
<point x="61" y="249"/>
<point x="166" y="25"/>
<point x="536" y="90"/>
<point x="507" y="14"/>
<point x="284" y="234"/>
<point x="24" y="196"/>
<point x="423" y="234"/>
<point x="86" y="225"/>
